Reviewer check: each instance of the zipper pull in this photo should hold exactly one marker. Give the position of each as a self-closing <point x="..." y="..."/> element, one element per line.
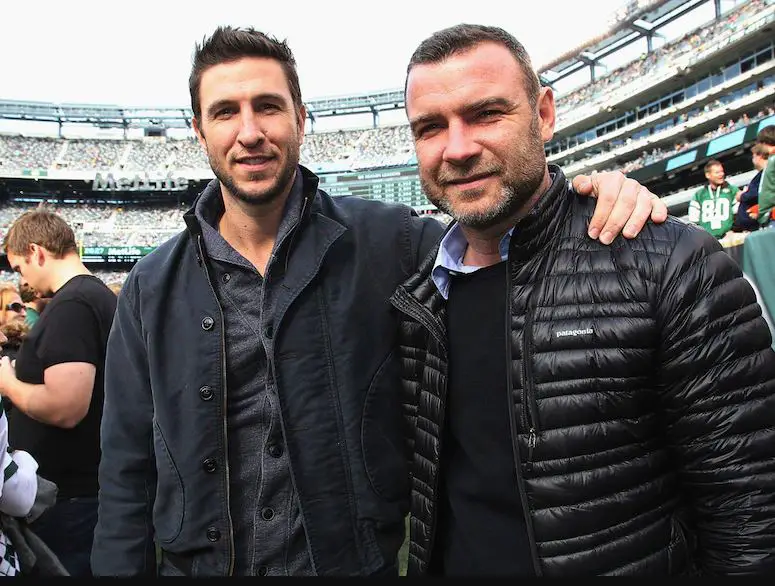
<point x="532" y="439"/>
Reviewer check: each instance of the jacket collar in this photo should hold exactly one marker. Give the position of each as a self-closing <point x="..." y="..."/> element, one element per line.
<point x="530" y="235"/>
<point x="534" y="232"/>
<point x="310" y="183"/>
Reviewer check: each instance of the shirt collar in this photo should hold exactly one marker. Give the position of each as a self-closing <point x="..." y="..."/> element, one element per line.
<point x="449" y="259"/>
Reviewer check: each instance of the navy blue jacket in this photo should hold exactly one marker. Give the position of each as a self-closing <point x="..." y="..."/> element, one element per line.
<point x="750" y="197"/>
<point x="332" y="361"/>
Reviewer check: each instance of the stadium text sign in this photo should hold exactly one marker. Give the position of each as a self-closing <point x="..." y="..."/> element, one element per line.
<point x="137" y="182"/>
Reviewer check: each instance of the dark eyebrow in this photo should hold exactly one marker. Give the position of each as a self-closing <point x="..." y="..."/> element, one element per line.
<point x="488" y="103"/>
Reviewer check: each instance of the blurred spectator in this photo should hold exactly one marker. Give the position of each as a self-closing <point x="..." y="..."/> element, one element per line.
<point x="115" y="286"/>
<point x="11" y="306"/>
<point x="14" y="332"/>
<point x="18" y="488"/>
<point x="31" y="299"/>
<point x="713" y="206"/>
<point x="56" y="384"/>
<point x="766" y="137"/>
<point x="746" y="219"/>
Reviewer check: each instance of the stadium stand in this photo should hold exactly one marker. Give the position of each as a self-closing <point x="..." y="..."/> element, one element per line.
<point x="672" y="101"/>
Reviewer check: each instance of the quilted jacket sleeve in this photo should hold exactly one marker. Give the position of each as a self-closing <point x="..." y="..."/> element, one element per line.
<point x="717" y="376"/>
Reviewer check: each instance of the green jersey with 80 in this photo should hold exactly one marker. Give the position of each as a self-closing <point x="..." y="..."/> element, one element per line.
<point x="714" y="208"/>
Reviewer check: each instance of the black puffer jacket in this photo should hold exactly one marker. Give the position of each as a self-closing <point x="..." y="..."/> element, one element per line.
<point x="643" y="392"/>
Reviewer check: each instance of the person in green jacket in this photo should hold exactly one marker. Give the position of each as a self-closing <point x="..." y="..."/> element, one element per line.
<point x="714" y="205"/>
<point x="766" y="137"/>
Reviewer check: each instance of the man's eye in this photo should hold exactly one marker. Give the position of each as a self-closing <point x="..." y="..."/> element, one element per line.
<point x="488" y="113"/>
<point x="425" y="130"/>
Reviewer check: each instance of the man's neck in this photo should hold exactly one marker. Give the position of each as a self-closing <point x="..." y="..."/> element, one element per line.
<point x="65" y="269"/>
<point x="252" y="230"/>
<point x="483" y="247"/>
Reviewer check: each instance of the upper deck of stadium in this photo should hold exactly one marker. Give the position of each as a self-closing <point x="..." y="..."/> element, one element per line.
<point x="665" y="77"/>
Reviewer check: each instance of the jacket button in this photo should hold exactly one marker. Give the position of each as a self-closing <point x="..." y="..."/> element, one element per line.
<point x="263" y="570"/>
<point x="226" y="277"/>
<point x="207" y="323"/>
<point x="209" y="465"/>
<point x="275" y="450"/>
<point x="267" y="513"/>
<point x="268" y="331"/>
<point x="206" y="393"/>
<point x="213" y="534"/>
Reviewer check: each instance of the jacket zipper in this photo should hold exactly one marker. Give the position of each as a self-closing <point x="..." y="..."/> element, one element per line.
<point x="414" y="309"/>
<point x="224" y="405"/>
<point x="529" y="417"/>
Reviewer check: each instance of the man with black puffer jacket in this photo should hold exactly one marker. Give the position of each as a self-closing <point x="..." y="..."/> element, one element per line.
<point x="575" y="409"/>
<point x="252" y="422"/>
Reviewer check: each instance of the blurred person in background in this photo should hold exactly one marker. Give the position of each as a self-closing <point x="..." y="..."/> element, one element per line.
<point x="56" y="386"/>
<point x="713" y="206"/>
<point x="766" y="138"/>
<point x="13" y="324"/>
<point x="11" y="306"/>
<point x="252" y="417"/>
<point x="18" y="488"/>
<point x="30" y="298"/>
<point x="747" y="216"/>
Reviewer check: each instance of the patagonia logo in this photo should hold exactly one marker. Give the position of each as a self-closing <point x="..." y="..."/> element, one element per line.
<point x="565" y="333"/>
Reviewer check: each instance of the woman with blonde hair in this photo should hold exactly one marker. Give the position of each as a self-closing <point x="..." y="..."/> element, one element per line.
<point x="13" y="325"/>
<point x="11" y="305"/>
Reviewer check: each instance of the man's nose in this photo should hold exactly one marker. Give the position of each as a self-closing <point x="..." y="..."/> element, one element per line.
<point x="251" y="131"/>
<point x="461" y="144"/>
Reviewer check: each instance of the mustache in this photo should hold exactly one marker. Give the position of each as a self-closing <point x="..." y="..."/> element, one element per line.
<point x="450" y="176"/>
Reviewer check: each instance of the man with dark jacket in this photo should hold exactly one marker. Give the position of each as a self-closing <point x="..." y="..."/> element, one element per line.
<point x="576" y="409"/>
<point x="746" y="218"/>
<point x="252" y="421"/>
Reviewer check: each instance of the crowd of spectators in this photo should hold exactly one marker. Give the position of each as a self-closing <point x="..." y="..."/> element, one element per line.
<point x="109" y="225"/>
<point x="354" y="149"/>
<point x="649" y="67"/>
<point x="657" y="154"/>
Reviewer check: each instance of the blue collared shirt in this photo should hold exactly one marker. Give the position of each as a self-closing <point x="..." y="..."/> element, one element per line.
<point x="449" y="259"/>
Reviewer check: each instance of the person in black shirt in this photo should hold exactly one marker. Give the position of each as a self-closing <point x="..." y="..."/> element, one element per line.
<point x="56" y="386"/>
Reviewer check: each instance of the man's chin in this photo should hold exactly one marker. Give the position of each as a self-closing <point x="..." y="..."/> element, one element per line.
<point x="257" y="196"/>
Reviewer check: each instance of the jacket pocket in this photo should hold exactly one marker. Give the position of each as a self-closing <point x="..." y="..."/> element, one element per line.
<point x="382" y="433"/>
<point x="169" y="502"/>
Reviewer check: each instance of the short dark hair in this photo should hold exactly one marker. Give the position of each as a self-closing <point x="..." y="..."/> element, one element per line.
<point x="44" y="228"/>
<point x="228" y="44"/>
<point x="760" y="150"/>
<point x="767" y="135"/>
<point x="711" y="163"/>
<point x="461" y="37"/>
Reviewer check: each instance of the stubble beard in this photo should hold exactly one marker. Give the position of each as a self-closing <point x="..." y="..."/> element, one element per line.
<point x="280" y="186"/>
<point x="519" y="186"/>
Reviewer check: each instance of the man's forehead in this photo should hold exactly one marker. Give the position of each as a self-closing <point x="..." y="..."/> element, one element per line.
<point x="482" y="69"/>
<point x="243" y="78"/>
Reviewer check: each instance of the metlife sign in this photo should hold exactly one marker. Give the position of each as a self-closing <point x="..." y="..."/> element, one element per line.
<point x="138" y="182"/>
<point x="114" y="254"/>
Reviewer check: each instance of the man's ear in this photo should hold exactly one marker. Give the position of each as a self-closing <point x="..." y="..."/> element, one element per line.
<point x="198" y="131"/>
<point x="546" y="113"/>
<point x="301" y="122"/>
<point x="37" y="254"/>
